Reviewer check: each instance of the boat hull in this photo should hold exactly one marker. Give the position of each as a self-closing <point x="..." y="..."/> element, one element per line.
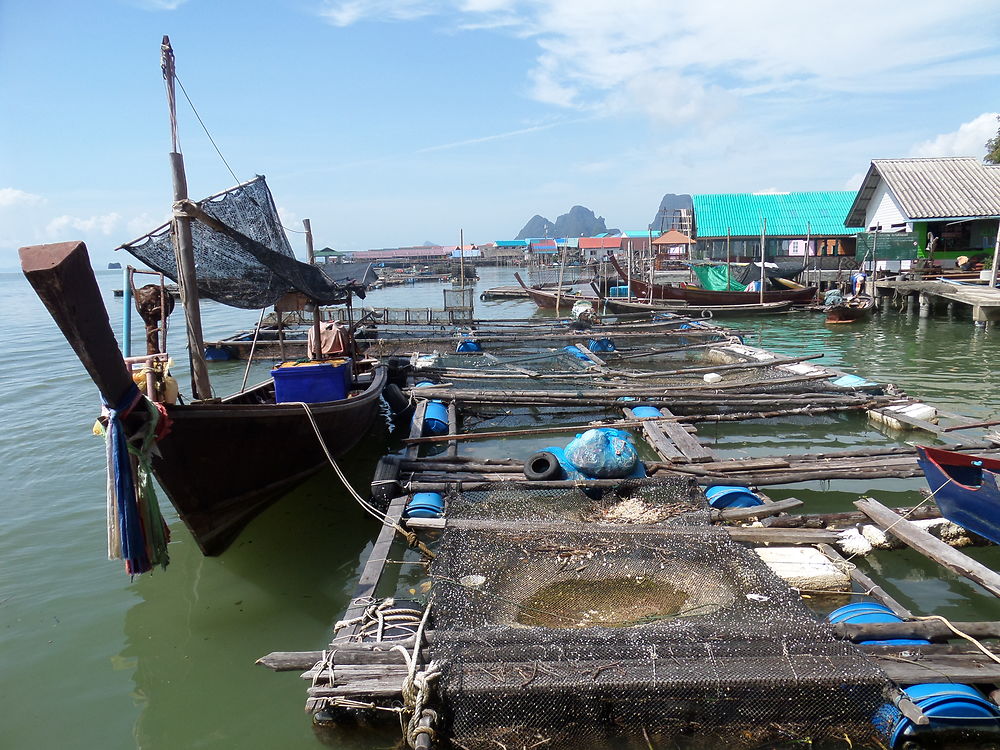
<point x="223" y="463"/>
<point x="967" y="494"/>
<point x="850" y="312"/>
<point x="627" y="306"/>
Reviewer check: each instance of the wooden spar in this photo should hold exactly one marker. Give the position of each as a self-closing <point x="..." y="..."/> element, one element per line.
<point x="763" y="241"/>
<point x="868" y="586"/>
<point x="636" y="423"/>
<point x="562" y="271"/>
<point x="930" y="629"/>
<point x="62" y="277"/>
<point x="929" y="546"/>
<point x="187" y="279"/>
<point x="309" y="241"/>
<point x="316" y="351"/>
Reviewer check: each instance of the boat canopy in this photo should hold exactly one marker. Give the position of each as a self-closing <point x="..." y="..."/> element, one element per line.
<point x="242" y="256"/>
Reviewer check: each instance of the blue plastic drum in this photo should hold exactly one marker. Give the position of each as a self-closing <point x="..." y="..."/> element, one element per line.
<point x="425" y="505"/>
<point x="947" y="705"/>
<point x="726" y="496"/>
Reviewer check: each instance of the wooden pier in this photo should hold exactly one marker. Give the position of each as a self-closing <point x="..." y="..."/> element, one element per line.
<point x="984" y="303"/>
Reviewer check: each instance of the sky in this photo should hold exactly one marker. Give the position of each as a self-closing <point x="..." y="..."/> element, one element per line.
<point x="395" y="122"/>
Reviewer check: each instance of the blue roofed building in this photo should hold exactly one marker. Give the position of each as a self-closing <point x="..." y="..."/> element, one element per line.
<point x="794" y="225"/>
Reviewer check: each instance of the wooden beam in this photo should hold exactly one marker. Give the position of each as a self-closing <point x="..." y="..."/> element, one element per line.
<point x="929" y="546"/>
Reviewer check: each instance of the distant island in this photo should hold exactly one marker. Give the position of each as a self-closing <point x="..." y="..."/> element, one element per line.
<point x="579" y="222"/>
<point x="114" y="266"/>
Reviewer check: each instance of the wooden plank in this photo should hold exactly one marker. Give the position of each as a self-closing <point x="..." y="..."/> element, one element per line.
<point x="452" y="428"/>
<point x="762" y="535"/>
<point x="929" y="546"/>
<point x="959" y="668"/>
<point x="656" y="438"/>
<point x="373" y="568"/>
<point x="758" y="511"/>
<point x="686" y="443"/>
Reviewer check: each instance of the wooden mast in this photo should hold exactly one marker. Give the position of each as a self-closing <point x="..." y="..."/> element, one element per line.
<point x="183" y="242"/>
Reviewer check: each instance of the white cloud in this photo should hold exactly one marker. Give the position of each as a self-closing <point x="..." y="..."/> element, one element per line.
<point x="12" y="197"/>
<point x="676" y="60"/>
<point x="159" y="4"/>
<point x="969" y="140"/>
<point x="104" y="224"/>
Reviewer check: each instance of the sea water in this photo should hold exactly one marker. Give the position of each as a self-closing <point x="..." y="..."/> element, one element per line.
<point x="90" y="658"/>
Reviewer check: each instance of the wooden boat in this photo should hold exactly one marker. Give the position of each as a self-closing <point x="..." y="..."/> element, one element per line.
<point x="693" y="310"/>
<point x="551" y="300"/>
<point x="695" y="295"/>
<point x="851" y="310"/>
<point x="222" y="461"/>
<point x="966" y="488"/>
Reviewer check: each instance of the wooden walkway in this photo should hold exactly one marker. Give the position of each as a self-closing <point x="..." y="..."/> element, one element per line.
<point x="985" y="302"/>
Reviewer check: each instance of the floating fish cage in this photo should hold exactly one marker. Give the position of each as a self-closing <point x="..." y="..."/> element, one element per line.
<point x="600" y="631"/>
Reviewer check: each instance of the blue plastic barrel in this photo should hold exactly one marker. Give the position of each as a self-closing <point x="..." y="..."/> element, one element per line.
<point x="727" y="496"/>
<point x="641" y="412"/>
<point x="468" y="346"/>
<point x="601" y="345"/>
<point x="868" y="612"/>
<point x="425" y="505"/>
<point x="948" y="706"/>
<point x="435" y="416"/>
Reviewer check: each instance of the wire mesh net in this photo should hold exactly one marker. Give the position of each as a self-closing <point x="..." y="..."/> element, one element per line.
<point x="558" y="631"/>
<point x="251" y="264"/>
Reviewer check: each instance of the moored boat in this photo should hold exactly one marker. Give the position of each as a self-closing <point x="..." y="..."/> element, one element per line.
<point x="850" y="310"/>
<point x="550" y="300"/>
<point x="691" y="309"/>
<point x="220" y="461"/>
<point x="966" y="488"/>
<point x="696" y="295"/>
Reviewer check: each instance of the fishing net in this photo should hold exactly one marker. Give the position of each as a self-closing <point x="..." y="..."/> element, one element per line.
<point x="251" y="264"/>
<point x="559" y="627"/>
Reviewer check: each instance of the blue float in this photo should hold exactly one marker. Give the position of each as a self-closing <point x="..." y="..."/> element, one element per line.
<point x="643" y="412"/>
<point x="727" y="496"/>
<point x="949" y="706"/>
<point x="435" y="415"/>
<point x="468" y="346"/>
<point x="869" y="612"/>
<point x="601" y="345"/>
<point x="576" y="353"/>
<point x="425" y="505"/>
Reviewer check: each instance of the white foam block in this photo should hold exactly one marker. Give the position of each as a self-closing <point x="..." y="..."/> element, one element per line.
<point x="805" y="568"/>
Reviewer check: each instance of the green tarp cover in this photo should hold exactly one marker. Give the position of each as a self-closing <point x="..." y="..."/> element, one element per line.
<point x="716" y="279"/>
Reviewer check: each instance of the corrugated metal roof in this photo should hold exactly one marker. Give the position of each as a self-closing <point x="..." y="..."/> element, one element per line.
<point x="821" y="213"/>
<point x="641" y="233"/>
<point x="546" y="244"/>
<point x="512" y="243"/>
<point x="600" y="242"/>
<point x="413" y="252"/>
<point x="958" y="187"/>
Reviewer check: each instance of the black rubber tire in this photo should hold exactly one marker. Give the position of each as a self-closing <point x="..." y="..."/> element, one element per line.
<point x="542" y="466"/>
<point x="397" y="400"/>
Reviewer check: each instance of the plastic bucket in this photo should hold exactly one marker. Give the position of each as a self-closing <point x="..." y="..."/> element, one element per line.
<point x="425" y="505"/>
<point x="948" y="706"/>
<point x="726" y="496"/>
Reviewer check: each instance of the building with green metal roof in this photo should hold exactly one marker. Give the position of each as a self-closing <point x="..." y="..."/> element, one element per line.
<point x="793" y="224"/>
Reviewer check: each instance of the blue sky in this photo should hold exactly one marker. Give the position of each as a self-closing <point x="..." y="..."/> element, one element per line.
<point x="392" y="122"/>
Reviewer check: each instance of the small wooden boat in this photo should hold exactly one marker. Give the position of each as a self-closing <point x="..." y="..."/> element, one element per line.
<point x="851" y="310"/>
<point x="966" y="488"/>
<point x="220" y="461"/>
<point x="551" y="300"/>
<point x="694" y="310"/>
<point x="696" y="295"/>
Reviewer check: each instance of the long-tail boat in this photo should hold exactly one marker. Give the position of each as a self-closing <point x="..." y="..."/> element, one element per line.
<point x="220" y="461"/>
<point x="698" y="296"/>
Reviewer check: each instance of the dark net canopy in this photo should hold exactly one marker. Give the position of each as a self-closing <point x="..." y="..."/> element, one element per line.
<point x="250" y="264"/>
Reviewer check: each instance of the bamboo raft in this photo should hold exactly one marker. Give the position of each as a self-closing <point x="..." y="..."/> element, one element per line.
<point x="362" y="676"/>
